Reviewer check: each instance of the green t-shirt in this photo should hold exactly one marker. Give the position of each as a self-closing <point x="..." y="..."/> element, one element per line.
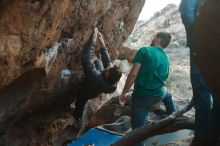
<point x="153" y="72"/>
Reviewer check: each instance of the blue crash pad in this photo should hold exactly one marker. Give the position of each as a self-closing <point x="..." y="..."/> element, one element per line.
<point x="97" y="137"/>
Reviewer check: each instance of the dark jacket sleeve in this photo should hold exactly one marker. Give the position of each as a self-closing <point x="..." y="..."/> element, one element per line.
<point x="86" y="60"/>
<point x="105" y="57"/>
<point x="106" y="60"/>
<point x="90" y="70"/>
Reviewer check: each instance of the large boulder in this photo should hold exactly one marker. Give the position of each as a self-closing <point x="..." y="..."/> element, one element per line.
<point x="40" y="46"/>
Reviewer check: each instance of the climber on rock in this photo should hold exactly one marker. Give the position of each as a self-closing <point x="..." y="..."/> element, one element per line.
<point x="100" y="75"/>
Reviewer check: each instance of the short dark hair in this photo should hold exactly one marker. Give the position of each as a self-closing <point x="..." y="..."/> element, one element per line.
<point x="114" y="75"/>
<point x="165" y="38"/>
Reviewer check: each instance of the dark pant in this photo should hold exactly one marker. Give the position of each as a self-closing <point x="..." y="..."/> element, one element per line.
<point x="141" y="105"/>
<point x="215" y="114"/>
<point x="202" y="103"/>
<point x="207" y="117"/>
<point x="79" y="106"/>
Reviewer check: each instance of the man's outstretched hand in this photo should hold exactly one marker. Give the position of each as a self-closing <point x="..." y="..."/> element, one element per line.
<point x="122" y="99"/>
<point x="101" y="40"/>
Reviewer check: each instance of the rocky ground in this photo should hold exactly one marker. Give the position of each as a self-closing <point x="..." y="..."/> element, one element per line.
<point x="182" y="142"/>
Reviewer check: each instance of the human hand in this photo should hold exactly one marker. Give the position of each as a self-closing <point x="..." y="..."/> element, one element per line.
<point x="121" y="99"/>
<point x="95" y="29"/>
<point x="95" y="34"/>
<point x="101" y="40"/>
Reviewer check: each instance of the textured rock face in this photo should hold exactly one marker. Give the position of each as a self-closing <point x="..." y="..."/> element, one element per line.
<point x="50" y="35"/>
<point x="207" y="43"/>
<point x="27" y="28"/>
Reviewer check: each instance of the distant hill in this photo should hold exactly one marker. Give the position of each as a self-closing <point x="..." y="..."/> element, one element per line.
<point x="168" y="19"/>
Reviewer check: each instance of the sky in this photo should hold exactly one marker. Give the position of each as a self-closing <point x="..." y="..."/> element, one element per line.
<point x="152" y="6"/>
